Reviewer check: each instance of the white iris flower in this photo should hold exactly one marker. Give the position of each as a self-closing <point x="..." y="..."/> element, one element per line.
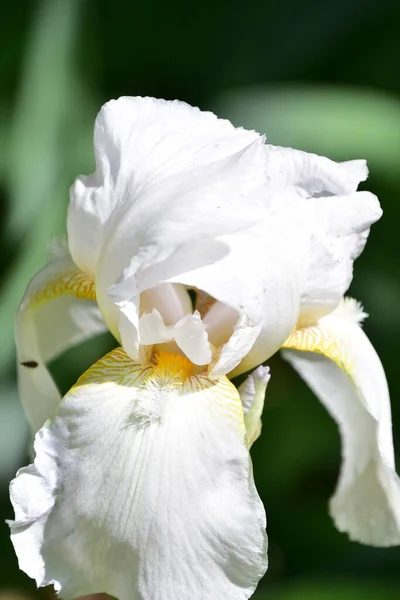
<point x="142" y="484"/>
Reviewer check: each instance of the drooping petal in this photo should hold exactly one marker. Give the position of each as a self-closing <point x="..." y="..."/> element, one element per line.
<point x="347" y="376"/>
<point x="142" y="487"/>
<point x="57" y="311"/>
<point x="252" y="395"/>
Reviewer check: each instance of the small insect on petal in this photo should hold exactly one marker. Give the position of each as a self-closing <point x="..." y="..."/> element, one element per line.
<point x="30" y="364"/>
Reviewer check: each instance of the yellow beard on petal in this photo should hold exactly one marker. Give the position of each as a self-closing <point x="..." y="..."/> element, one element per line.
<point x="169" y="369"/>
<point x="166" y="376"/>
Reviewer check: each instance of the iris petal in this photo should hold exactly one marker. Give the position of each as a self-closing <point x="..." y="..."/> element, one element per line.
<point x="142" y="487"/>
<point x="340" y="365"/>
<point x="57" y="311"/>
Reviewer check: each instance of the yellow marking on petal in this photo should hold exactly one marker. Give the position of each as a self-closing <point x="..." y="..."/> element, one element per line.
<point x="71" y="282"/>
<point x="116" y="367"/>
<point x="323" y="341"/>
<point x="170" y="373"/>
<point x="173" y="371"/>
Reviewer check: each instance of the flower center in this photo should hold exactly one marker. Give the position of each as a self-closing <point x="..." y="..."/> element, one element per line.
<point x="169" y="370"/>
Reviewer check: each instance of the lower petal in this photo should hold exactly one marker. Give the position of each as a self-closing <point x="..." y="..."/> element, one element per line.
<point x="142" y="488"/>
<point x="347" y="376"/>
<point x="57" y="311"/>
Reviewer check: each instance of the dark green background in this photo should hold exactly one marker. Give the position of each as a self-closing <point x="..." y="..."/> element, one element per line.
<point x="321" y="76"/>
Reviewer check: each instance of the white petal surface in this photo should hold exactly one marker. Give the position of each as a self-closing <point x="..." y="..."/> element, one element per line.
<point x="173" y="229"/>
<point x="142" y="488"/>
<point x="191" y="337"/>
<point x="172" y="301"/>
<point x="347" y="376"/>
<point x="337" y="218"/>
<point x="141" y="144"/>
<point x="312" y="174"/>
<point x="260" y="279"/>
<point x="339" y="228"/>
<point x="56" y="312"/>
<point x="252" y="394"/>
<point x="169" y="180"/>
<point x="304" y="250"/>
<point x="179" y="196"/>
<point x="189" y="334"/>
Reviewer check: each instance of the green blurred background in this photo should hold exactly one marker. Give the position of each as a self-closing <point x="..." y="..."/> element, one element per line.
<point x="320" y="76"/>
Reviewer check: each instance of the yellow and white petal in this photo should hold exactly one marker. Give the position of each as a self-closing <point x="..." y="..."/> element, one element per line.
<point x="340" y="365"/>
<point x="252" y="394"/>
<point x="57" y="311"/>
<point x="142" y="488"/>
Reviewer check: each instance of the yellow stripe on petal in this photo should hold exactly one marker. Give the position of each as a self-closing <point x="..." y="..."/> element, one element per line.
<point x="167" y="373"/>
<point x="116" y="367"/>
<point x="71" y="282"/>
<point x="58" y="311"/>
<point x="322" y="340"/>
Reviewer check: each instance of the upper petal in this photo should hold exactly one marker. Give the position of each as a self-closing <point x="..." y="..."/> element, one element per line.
<point x="143" y="145"/>
<point x="256" y="277"/>
<point x="347" y="376"/>
<point x="339" y="228"/>
<point x="181" y="196"/>
<point x="57" y="311"/>
<point x="142" y="487"/>
<point x="312" y="174"/>
<point x="169" y="180"/>
<point x="259" y="280"/>
<point x="337" y="218"/>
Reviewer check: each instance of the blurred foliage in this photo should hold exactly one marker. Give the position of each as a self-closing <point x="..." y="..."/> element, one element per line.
<point x="321" y="76"/>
